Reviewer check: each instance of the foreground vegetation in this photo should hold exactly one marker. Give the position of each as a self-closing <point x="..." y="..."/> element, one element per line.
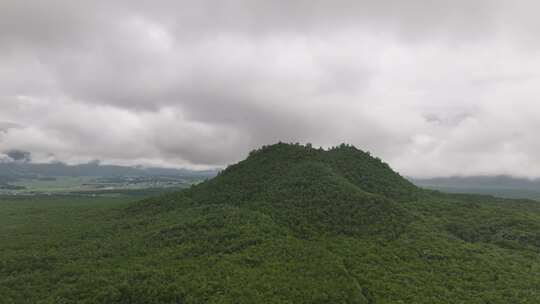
<point x="290" y="224"/>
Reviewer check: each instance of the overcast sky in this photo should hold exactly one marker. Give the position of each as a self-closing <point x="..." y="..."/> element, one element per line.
<point x="435" y="88"/>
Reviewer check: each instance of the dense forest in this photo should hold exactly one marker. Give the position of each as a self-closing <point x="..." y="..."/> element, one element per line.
<point x="289" y="224"/>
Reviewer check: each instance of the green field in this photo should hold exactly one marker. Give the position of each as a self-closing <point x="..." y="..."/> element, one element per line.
<point x="59" y="184"/>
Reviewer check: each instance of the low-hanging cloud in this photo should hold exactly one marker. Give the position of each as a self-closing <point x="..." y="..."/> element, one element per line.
<point x="19" y="155"/>
<point x="434" y="87"/>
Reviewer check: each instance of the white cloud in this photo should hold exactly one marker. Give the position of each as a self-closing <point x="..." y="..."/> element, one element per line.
<point x="433" y="87"/>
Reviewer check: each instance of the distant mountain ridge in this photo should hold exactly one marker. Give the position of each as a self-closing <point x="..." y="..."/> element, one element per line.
<point x="482" y="181"/>
<point x="499" y="185"/>
<point x="10" y="171"/>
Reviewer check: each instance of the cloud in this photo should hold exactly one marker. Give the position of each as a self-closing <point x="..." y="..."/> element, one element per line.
<point x="19" y="155"/>
<point x="434" y="87"/>
<point x="5" y="126"/>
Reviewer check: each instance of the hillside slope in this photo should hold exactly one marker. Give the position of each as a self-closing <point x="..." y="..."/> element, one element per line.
<point x="290" y="224"/>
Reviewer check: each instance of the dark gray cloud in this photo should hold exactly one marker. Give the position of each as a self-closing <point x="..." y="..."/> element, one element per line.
<point x="19" y="155"/>
<point x="434" y="87"/>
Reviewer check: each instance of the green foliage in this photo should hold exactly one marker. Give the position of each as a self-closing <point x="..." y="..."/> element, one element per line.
<point x="290" y="224"/>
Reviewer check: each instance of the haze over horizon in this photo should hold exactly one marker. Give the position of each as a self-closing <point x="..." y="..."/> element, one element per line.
<point x="434" y="88"/>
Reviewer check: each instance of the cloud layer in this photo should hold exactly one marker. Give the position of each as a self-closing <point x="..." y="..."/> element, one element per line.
<point x="433" y="87"/>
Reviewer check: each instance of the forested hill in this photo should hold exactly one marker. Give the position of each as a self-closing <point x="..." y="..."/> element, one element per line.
<point x="290" y="224"/>
<point x="356" y="166"/>
<point x="312" y="190"/>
